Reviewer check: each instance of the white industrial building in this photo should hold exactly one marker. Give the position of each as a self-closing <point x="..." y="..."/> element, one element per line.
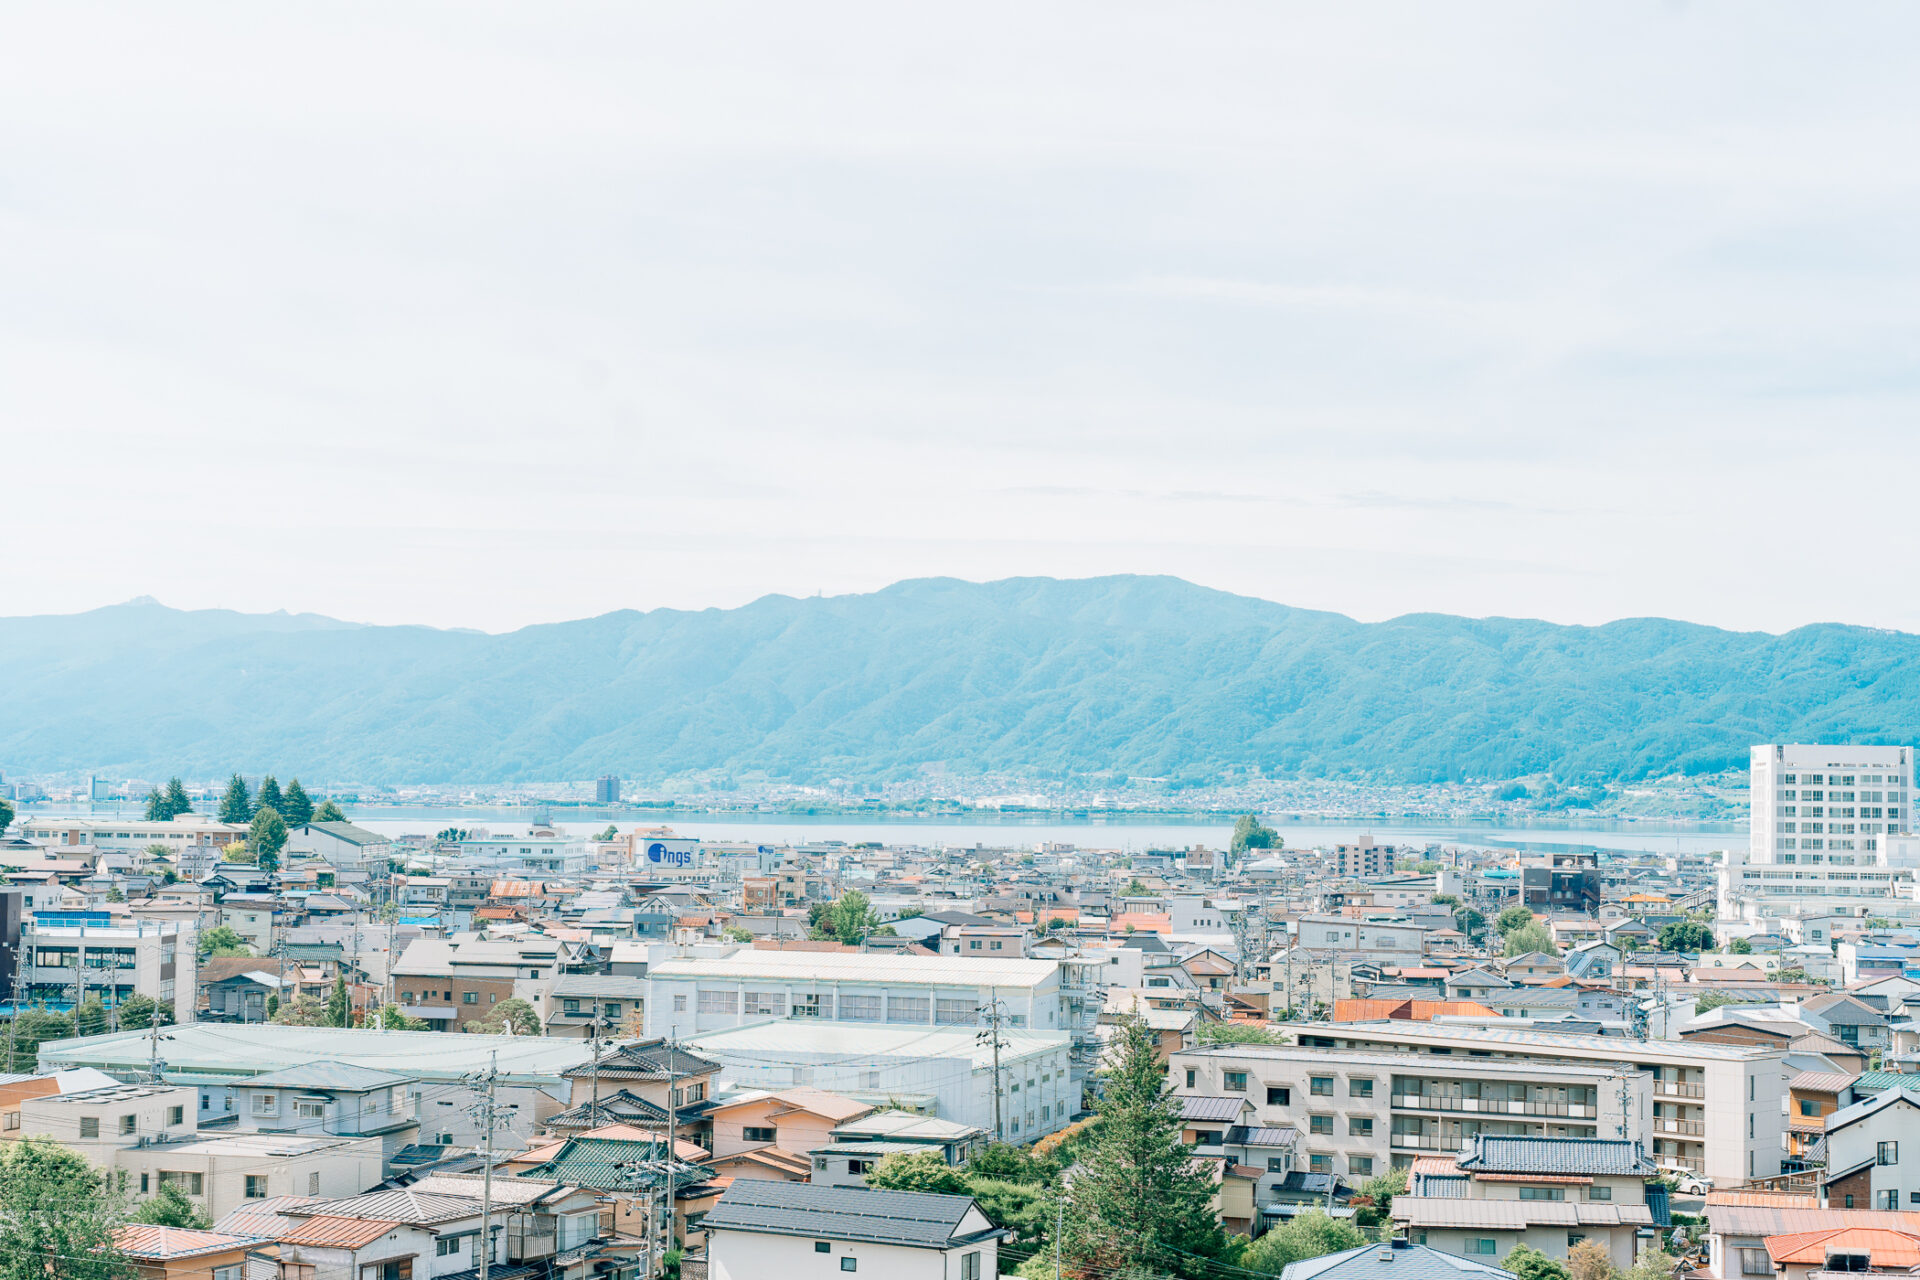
<point x="692" y="995"/>
<point x="949" y="1073"/>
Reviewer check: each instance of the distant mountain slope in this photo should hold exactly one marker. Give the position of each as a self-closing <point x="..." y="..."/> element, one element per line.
<point x="1148" y="676"/>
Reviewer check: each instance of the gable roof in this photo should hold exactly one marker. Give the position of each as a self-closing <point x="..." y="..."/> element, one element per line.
<point x="647" y="1060"/>
<point x="1488" y="1153"/>
<point x="1398" y="1259"/>
<point x="911" y="1219"/>
<point x="140" y="1240"/>
<point x="1869" y="1107"/>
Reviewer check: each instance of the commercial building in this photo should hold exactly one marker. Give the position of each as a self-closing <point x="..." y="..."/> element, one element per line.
<point x="122" y="835"/>
<point x="1716" y="1108"/>
<point x="1383" y="939"/>
<point x="530" y="855"/>
<point x="1361" y="1112"/>
<point x="946" y="1073"/>
<point x="606" y="789"/>
<point x="69" y="956"/>
<point x="1825" y="805"/>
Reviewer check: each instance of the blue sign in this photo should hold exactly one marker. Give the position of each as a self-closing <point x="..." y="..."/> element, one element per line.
<point x="657" y="852"/>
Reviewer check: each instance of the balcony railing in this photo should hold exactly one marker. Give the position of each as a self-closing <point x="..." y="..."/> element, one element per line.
<point x="1678" y="1089"/>
<point x="1688" y="1128"/>
<point x="1494" y="1106"/>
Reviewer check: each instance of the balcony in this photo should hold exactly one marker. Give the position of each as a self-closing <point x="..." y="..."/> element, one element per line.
<point x="1494" y="1106"/>
<point x="1685" y="1128"/>
<point x="1678" y="1089"/>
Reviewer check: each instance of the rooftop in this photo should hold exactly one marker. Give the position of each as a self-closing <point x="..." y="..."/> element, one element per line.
<point x="908" y="1218"/>
<point x="1595" y="1046"/>
<point x="221" y="1052"/>
<point x="874" y="1040"/>
<point x="861" y="966"/>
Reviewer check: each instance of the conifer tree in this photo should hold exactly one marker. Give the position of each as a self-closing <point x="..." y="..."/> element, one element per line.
<point x="1137" y="1203"/>
<point x="337" y="1004"/>
<point x="269" y="796"/>
<point x="297" y="807"/>
<point x="328" y="812"/>
<point x="177" y="799"/>
<point x="236" y="805"/>
<point x="156" y="807"/>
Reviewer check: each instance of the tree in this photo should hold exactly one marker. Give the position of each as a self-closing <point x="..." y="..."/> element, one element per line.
<point x="156" y="806"/>
<point x="6" y="814"/>
<point x="1249" y="834"/>
<point x="1004" y="1162"/>
<point x="510" y="1017"/>
<point x="1740" y="947"/>
<point x="389" y="1018"/>
<point x="273" y="1006"/>
<point x="338" y="1006"/>
<point x="611" y="833"/>
<point x="158" y="853"/>
<point x="1589" y="1260"/>
<point x="850" y="919"/>
<point x="1236" y="1033"/>
<point x="296" y="806"/>
<point x="172" y="1207"/>
<point x="269" y="797"/>
<point x="1686" y="935"/>
<point x="1652" y="1264"/>
<point x="736" y="934"/>
<point x="236" y="852"/>
<point x="90" y="1017"/>
<point x="1383" y="1187"/>
<point x="1531" y="1264"/>
<point x="1138" y="1201"/>
<point x="1469" y="922"/>
<point x="30" y="1028"/>
<point x="1445" y="900"/>
<point x="1311" y="1234"/>
<point x="301" y="1011"/>
<point x="267" y="836"/>
<point x="57" y="1217"/>
<point x="926" y="1171"/>
<point x="1512" y="918"/>
<point x="1531" y="937"/>
<point x="1134" y="889"/>
<point x="236" y="806"/>
<point x="137" y="1013"/>
<point x="221" y="940"/>
<point x="328" y="812"/>
<point x="177" y="799"/>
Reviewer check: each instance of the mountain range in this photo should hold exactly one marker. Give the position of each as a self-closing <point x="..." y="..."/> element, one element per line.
<point x="1142" y="676"/>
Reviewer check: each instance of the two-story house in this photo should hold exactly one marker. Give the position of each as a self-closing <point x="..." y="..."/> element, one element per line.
<point x="333" y="1098"/>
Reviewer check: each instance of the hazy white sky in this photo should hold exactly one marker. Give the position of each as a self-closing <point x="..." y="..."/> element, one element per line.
<point x="486" y="315"/>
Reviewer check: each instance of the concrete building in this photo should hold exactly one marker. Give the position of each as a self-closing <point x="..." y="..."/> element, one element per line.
<point x="126" y="835"/>
<point x="1825" y="805"/>
<point x="606" y="789"/>
<point x="1381" y="939"/>
<point x="330" y="1098"/>
<point x="529" y="855"/>
<point x="342" y="845"/>
<point x="947" y="1073"/>
<point x="1367" y="861"/>
<point x="1716" y="1108"/>
<point x="69" y="956"/>
<point x="1360" y="1113"/>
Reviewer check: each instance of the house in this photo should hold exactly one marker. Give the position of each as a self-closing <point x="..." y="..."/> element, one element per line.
<point x="1546" y="1193"/>
<point x="334" y="1098"/>
<point x="342" y="844"/>
<point x="1848" y="1020"/>
<point x="1865" y="1142"/>
<point x="1812" y="1096"/>
<point x="795" y="1230"/>
<point x="794" y="1120"/>
<point x="181" y="1253"/>
<point x="632" y="1083"/>
<point x="1391" y="1260"/>
<point x="1797" y="1255"/>
<point x="578" y="1003"/>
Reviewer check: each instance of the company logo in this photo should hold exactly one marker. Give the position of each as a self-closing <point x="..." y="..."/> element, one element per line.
<point x="671" y="857"/>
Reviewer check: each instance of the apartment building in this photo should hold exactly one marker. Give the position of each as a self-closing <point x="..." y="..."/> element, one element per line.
<point x="450" y="982"/>
<point x="122" y="835"/>
<point x="1824" y="804"/>
<point x="1361" y="1112"/>
<point x="1367" y="861"/>
<point x="68" y="956"/>
<point x="1382" y="939"/>
<point x="1716" y="1108"/>
<point x="529" y="855"/>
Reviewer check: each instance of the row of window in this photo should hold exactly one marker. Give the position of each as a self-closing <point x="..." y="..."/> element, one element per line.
<point x="1841" y="779"/>
<point x="1281" y="1096"/>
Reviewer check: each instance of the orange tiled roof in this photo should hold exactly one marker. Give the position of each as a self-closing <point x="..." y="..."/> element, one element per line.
<point x="1142" y="922"/>
<point x="1883" y="1246"/>
<point x="150" y="1242"/>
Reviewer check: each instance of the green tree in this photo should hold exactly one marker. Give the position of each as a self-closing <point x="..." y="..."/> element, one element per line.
<point x="273" y="1006"/>
<point x="1445" y="900"/>
<point x="1004" y="1162"/>
<point x="158" y="853"/>
<point x="32" y="1027"/>
<point x="236" y="806"/>
<point x="301" y="1011"/>
<point x="267" y="835"/>
<point x="221" y="940"/>
<point x="177" y="799"/>
<point x="156" y="806"/>
<point x="1134" y="889"/>
<point x="6" y="814"/>
<point x="1383" y="1187"/>
<point x="328" y="812"/>
<point x="1652" y="1264"/>
<point x="137" y="1013"/>
<point x="296" y="806"/>
<point x="1685" y="935"/>
<point x="1469" y="922"/>
<point x="1236" y="1033"/>
<point x="57" y="1217"/>
<point x="389" y="1018"/>
<point x="339" y="1009"/>
<point x="269" y="797"/>
<point x="1137" y="1200"/>
<point x="172" y="1207"/>
<point x="1740" y="947"/>
<point x="1531" y="937"/>
<point x="1512" y="918"/>
<point x="90" y="1017"/>
<point x="115" y="893"/>
<point x="736" y="934"/>
<point x="611" y="833"/>
<point x="1248" y="833"/>
<point x="514" y="1016"/>
<point x="1311" y="1234"/>
<point x="925" y="1171"/>
<point x="1530" y="1264"/>
<point x="850" y="919"/>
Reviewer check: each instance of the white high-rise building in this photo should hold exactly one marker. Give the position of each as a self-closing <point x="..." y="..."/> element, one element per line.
<point x="1826" y="805"/>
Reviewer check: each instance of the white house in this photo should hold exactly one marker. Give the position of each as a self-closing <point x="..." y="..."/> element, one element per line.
<point x="799" y="1231"/>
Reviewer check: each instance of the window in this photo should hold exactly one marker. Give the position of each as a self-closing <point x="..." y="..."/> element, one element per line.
<point x="910" y="1009"/>
<point x="764" y="1004"/>
<point x="849" y="1264"/>
<point x="823" y="1246"/>
<point x="447" y="1246"/>
<point x="266" y="1104"/>
<point x="1320" y="1086"/>
<point x="1319" y="1164"/>
<point x="1234" y="1081"/>
<point x="13" y="1119"/>
<point x="1889" y="1199"/>
<point x="1277" y="1164"/>
<point x="310" y="1109"/>
<point x="256" y="1186"/>
<point x="229" y="1273"/>
<point x="1488" y="1248"/>
<point x="859" y="1008"/>
<point x="1889" y="1153"/>
<point x="473" y="997"/>
<point x="955" y="1013"/>
<point x="970" y="1266"/>
<point x="89" y="1126"/>
<point x="758" y="1133"/>
<point x="1359" y="1088"/>
<point x="192" y="1183"/>
<point x="176" y="1115"/>
<point x="129" y="1123"/>
<point x="679" y="1004"/>
<point x="1360" y="1166"/>
<point x="718" y="1002"/>
<point x="1189" y="1077"/>
<point x="313" y="1183"/>
<point x="1808" y="1107"/>
<point x="1360" y="1126"/>
<point x="1320" y="1124"/>
<point x="1277" y="1097"/>
<point x="1543" y="1193"/>
<point x="1599" y="1193"/>
<point x="1755" y="1262"/>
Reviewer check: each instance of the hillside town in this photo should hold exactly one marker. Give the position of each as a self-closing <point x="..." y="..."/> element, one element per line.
<point x="270" y="1043"/>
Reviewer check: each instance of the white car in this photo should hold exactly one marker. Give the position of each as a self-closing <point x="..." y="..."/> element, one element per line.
<point x="1687" y="1182"/>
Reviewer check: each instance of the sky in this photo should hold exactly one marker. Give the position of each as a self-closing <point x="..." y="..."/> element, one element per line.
<point x="486" y="315"/>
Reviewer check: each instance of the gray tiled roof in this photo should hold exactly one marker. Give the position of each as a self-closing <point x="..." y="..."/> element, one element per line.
<point x="1199" y="1107"/>
<point x="1603" y="1156"/>
<point x="909" y="1218"/>
<point x="328" y="1075"/>
<point x="1397" y="1261"/>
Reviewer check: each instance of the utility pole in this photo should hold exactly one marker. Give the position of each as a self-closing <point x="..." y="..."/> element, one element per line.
<point x="488" y="1115"/>
<point x="995" y="1010"/>
<point x="153" y="1045"/>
